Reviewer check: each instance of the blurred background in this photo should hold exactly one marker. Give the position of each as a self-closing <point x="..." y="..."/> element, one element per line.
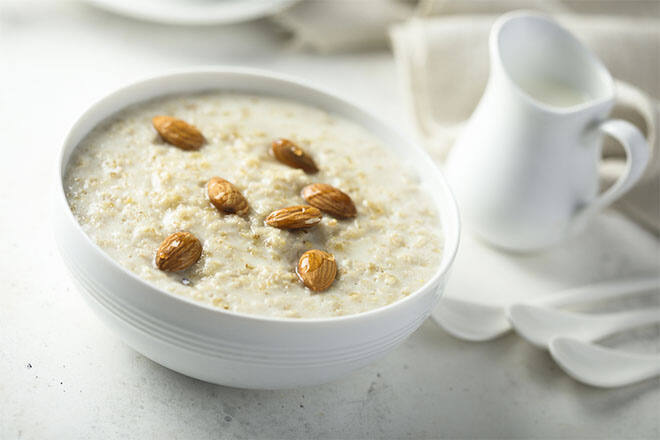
<point x="420" y="66"/>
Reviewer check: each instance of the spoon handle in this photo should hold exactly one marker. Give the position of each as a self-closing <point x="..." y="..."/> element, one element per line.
<point x="618" y="322"/>
<point x="606" y="290"/>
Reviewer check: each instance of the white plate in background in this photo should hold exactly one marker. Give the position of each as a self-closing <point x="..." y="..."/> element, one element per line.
<point x="193" y="12"/>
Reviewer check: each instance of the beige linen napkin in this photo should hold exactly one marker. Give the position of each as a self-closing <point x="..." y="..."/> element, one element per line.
<point x="333" y="25"/>
<point x="443" y="66"/>
<point x="339" y="25"/>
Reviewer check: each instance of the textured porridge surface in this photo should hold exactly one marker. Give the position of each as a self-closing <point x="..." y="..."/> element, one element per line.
<point x="129" y="190"/>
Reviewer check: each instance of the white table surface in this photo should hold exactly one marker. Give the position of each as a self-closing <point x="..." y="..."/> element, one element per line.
<point x="64" y="375"/>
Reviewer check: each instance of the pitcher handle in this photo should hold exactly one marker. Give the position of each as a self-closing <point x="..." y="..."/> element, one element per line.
<point x="637" y="153"/>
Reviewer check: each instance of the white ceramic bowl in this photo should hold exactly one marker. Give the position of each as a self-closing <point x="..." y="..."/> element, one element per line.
<point x="229" y="348"/>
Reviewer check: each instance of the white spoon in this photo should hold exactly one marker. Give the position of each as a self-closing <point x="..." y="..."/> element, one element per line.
<point x="600" y="366"/>
<point x="480" y="322"/>
<point x="471" y="321"/>
<point x="539" y="325"/>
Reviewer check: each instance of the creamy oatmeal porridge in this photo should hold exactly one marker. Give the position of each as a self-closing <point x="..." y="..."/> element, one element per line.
<point x="130" y="189"/>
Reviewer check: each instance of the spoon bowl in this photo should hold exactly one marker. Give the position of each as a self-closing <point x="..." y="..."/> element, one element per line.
<point x="471" y="321"/>
<point x="600" y="366"/>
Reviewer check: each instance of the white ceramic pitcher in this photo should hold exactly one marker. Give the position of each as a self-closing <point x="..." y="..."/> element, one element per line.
<point x="525" y="168"/>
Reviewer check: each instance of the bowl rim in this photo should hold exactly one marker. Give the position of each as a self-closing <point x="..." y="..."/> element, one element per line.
<point x="448" y="253"/>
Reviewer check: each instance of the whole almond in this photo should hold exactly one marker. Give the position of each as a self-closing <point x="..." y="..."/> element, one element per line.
<point x="292" y="155"/>
<point x="178" y="133"/>
<point x="329" y="199"/>
<point x="224" y="196"/>
<point x="178" y="251"/>
<point x="317" y="269"/>
<point x="294" y="217"/>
